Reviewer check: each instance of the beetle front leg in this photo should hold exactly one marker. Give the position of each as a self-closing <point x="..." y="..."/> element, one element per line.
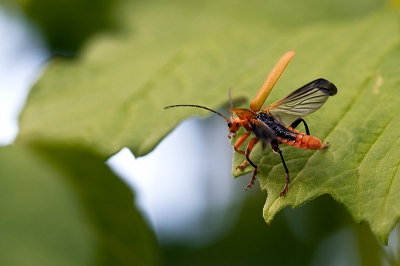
<point x="240" y="141"/>
<point x="247" y="152"/>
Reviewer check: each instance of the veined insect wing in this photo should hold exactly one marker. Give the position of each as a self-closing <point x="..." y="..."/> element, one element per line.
<point x="301" y="102"/>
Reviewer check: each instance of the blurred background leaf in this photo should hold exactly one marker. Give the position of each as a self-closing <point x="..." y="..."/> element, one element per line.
<point x="68" y="24"/>
<point x="294" y="239"/>
<point x="57" y="210"/>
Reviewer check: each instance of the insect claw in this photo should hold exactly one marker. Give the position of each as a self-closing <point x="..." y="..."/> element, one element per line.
<point x="240" y="167"/>
<point x="325" y="146"/>
<point x="243" y="165"/>
<point x="231" y="135"/>
<point x="250" y="185"/>
<point x="285" y="190"/>
<point x="253" y="179"/>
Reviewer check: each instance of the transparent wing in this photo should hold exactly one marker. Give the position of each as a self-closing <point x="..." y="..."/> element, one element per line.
<point x="302" y="101"/>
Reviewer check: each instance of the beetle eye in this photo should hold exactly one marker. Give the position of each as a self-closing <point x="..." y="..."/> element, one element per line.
<point x="229" y="124"/>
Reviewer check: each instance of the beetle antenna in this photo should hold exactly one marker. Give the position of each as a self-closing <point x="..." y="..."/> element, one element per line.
<point x="230" y="102"/>
<point x="198" y="106"/>
<point x="230" y="99"/>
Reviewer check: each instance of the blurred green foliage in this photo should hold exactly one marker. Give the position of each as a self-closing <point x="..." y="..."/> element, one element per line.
<point x="68" y="24"/>
<point x="294" y="238"/>
<point x="61" y="205"/>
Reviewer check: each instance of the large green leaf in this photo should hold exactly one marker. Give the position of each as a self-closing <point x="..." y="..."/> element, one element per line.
<point x="173" y="53"/>
<point x="181" y="52"/>
<point x="372" y="178"/>
<point x="362" y="125"/>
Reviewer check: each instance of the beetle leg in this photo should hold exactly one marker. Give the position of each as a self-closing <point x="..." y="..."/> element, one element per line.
<point x="297" y="122"/>
<point x="276" y="149"/>
<point x="249" y="148"/>
<point x="243" y="165"/>
<point x="240" y="141"/>
<point x="247" y="152"/>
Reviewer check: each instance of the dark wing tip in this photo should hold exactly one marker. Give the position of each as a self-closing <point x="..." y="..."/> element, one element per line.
<point x="332" y="88"/>
<point x="329" y="86"/>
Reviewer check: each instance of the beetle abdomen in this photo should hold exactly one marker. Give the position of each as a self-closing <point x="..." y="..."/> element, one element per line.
<point x="303" y="141"/>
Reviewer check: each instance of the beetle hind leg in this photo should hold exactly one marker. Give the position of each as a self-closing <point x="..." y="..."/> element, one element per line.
<point x="297" y="122"/>
<point x="275" y="148"/>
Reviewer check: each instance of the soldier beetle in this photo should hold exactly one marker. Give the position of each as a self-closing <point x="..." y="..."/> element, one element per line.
<point x="276" y="123"/>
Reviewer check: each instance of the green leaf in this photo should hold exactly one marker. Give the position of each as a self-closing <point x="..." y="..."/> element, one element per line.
<point x="180" y="52"/>
<point x="57" y="211"/>
<point x="361" y="123"/>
